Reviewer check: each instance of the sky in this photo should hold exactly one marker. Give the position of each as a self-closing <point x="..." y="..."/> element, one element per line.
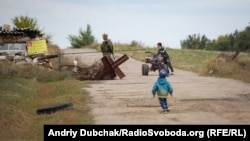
<point x="144" y="21"/>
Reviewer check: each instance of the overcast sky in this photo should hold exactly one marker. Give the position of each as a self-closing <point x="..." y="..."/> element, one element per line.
<point x="145" y="21"/>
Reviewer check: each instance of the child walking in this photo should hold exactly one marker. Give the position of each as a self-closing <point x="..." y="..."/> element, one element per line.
<point x="162" y="87"/>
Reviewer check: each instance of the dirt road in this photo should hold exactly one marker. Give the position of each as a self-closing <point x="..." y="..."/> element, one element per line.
<point x="196" y="100"/>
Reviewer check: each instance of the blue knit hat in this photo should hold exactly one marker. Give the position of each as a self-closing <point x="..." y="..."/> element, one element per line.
<point x="163" y="73"/>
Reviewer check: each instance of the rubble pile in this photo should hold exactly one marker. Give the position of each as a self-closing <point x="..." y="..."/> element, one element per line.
<point x="19" y="59"/>
<point x="94" y="72"/>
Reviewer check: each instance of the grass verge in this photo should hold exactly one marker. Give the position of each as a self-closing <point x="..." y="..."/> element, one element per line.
<point x="20" y="98"/>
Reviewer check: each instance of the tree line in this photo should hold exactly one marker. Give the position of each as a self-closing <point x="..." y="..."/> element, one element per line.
<point x="236" y="41"/>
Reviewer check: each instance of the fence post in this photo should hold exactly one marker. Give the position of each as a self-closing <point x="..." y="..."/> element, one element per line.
<point x="59" y="61"/>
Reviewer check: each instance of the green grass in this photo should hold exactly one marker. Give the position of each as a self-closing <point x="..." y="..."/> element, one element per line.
<point x="199" y="61"/>
<point x="20" y="98"/>
<point x="29" y="71"/>
<point x="191" y="60"/>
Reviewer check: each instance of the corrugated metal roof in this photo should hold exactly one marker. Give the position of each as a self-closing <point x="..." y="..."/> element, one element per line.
<point x="25" y="29"/>
<point x="10" y="33"/>
<point x="19" y="31"/>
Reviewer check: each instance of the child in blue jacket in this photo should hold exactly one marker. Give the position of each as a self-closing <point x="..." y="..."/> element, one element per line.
<point x="162" y="87"/>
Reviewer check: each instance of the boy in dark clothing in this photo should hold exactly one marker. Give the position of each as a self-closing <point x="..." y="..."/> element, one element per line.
<point x="162" y="87"/>
<point x="162" y="51"/>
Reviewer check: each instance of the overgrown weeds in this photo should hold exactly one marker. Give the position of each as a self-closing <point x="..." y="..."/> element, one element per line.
<point x="29" y="71"/>
<point x="221" y="66"/>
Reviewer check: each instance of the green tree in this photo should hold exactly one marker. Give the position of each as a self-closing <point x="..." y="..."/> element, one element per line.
<point x="28" y="22"/>
<point x="204" y="41"/>
<point x="242" y="41"/>
<point x="224" y="43"/>
<point x="237" y="41"/>
<point x="25" y="22"/>
<point x="195" y="41"/>
<point x="83" y="39"/>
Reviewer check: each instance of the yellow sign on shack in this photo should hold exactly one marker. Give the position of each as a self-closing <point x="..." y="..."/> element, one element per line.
<point x="36" y="47"/>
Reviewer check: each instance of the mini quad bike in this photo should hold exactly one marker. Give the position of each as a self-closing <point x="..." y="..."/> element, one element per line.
<point x="153" y="63"/>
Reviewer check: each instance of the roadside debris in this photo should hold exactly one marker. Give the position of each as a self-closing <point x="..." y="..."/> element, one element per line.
<point x="54" y="108"/>
<point x="103" y="69"/>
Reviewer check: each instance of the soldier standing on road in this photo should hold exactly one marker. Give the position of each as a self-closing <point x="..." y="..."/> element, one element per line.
<point x="162" y="51"/>
<point x="106" y="46"/>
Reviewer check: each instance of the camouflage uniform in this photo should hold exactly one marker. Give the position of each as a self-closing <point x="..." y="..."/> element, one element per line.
<point x="107" y="48"/>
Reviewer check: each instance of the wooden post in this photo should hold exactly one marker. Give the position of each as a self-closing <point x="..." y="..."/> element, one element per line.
<point x="60" y="63"/>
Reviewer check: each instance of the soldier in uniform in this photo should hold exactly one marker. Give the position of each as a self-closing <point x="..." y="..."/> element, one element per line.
<point x="106" y="46"/>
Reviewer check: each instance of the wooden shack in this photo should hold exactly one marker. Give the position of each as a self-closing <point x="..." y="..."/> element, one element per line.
<point x="13" y="40"/>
